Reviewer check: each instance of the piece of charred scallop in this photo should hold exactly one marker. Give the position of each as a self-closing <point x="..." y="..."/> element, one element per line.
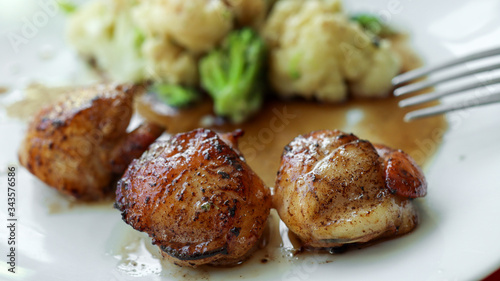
<point x="334" y="189"/>
<point x="80" y="144"/>
<point x="197" y="198"/>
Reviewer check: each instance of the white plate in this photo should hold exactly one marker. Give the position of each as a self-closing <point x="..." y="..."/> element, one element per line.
<point x="457" y="240"/>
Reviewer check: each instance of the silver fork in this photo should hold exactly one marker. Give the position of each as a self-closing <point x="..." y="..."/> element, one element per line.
<point x="492" y="97"/>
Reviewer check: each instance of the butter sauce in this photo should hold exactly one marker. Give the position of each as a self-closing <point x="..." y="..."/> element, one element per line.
<point x="279" y="122"/>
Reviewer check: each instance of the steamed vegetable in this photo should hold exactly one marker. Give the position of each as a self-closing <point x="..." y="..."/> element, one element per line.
<point x="195" y="25"/>
<point x="232" y="75"/>
<point x="373" y="24"/>
<point x="176" y="95"/>
<point x="67" y="7"/>
<point x="317" y="52"/>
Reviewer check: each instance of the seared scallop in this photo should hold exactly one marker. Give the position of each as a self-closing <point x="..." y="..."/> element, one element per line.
<point x="80" y="145"/>
<point x="334" y="189"/>
<point x="198" y="200"/>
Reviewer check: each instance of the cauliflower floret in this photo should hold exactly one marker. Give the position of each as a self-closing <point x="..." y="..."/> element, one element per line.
<point x="375" y="82"/>
<point x="285" y="9"/>
<point x="103" y="31"/>
<point x="159" y="40"/>
<point x="316" y="52"/>
<point x="166" y="62"/>
<point x="129" y="41"/>
<point x="197" y="25"/>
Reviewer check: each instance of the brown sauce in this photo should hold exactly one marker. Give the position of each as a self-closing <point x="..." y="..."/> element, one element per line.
<point x="3" y="90"/>
<point x="36" y="96"/>
<point x="379" y="121"/>
<point x="60" y="205"/>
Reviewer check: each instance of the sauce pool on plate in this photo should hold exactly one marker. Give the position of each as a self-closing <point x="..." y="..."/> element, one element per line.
<point x="279" y="122"/>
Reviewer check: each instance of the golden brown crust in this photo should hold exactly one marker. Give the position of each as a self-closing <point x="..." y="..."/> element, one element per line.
<point x="73" y="145"/>
<point x="197" y="198"/>
<point x="331" y="190"/>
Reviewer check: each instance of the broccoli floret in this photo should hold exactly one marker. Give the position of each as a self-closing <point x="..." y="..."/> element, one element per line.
<point x="373" y="25"/>
<point x="67" y="7"/>
<point x="232" y="75"/>
<point x="175" y="95"/>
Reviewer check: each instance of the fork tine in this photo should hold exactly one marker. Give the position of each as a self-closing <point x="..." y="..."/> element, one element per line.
<point x="438" y="94"/>
<point x="417" y="73"/>
<point x="410" y="88"/>
<point x="494" y="97"/>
